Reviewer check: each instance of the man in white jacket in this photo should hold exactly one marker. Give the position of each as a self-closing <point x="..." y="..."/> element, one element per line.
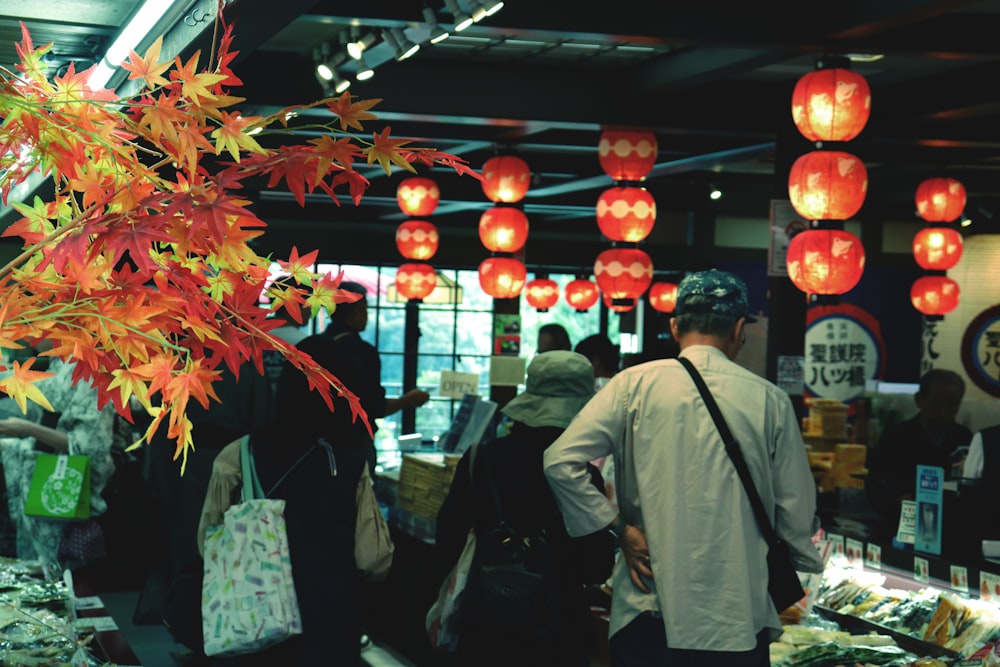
<point x="692" y="580"/>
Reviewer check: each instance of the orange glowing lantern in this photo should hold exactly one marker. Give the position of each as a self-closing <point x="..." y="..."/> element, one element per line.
<point x="627" y="155"/>
<point x="623" y="274"/>
<point x="502" y="277"/>
<point x="503" y="229"/>
<point x="825" y="261"/>
<point x="542" y="293"/>
<point x="831" y="104"/>
<point x="582" y="294"/>
<point x="626" y="214"/>
<point x="418" y="196"/>
<point x="937" y="248"/>
<point x="934" y="295"/>
<point x="506" y="178"/>
<point x="827" y="185"/>
<point x="663" y="297"/>
<point x="618" y="305"/>
<point x="417" y="239"/>
<point x="940" y="199"/>
<point x="415" y="280"/>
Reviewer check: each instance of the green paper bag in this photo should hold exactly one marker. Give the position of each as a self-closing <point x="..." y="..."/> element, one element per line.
<point x="60" y="487"/>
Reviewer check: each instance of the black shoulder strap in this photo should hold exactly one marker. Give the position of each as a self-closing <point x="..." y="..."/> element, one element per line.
<point x="493" y="487"/>
<point x="733" y="449"/>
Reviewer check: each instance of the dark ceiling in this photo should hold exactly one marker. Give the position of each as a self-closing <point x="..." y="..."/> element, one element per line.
<point x="712" y="79"/>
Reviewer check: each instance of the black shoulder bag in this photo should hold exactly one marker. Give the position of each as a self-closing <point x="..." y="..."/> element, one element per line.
<point x="783" y="583"/>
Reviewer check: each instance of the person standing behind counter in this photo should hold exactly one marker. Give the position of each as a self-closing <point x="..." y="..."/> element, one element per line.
<point x="690" y="586"/>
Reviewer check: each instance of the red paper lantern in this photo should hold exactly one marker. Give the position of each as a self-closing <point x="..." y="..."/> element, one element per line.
<point x="418" y="196"/>
<point x="831" y="104"/>
<point x="627" y="155"/>
<point x="503" y="229"/>
<point x="502" y="277"/>
<point x="937" y="248"/>
<point x="827" y="185"/>
<point x="542" y="293"/>
<point x="663" y="297"/>
<point x="617" y="305"/>
<point x="415" y="281"/>
<point x="417" y="239"/>
<point x="582" y="294"/>
<point x="825" y="261"/>
<point x="940" y="199"/>
<point x="626" y="214"/>
<point x="934" y="295"/>
<point x="623" y="274"/>
<point x="506" y="178"/>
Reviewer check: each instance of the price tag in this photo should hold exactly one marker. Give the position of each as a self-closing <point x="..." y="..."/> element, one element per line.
<point x="98" y="623"/>
<point x="838" y="543"/>
<point x="959" y="578"/>
<point x="88" y="602"/>
<point x="855" y="552"/>
<point x="989" y="586"/>
<point x="873" y="557"/>
<point x="921" y="570"/>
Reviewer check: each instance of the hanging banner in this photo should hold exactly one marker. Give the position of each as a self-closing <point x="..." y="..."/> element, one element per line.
<point x="981" y="351"/>
<point x="843" y="351"/>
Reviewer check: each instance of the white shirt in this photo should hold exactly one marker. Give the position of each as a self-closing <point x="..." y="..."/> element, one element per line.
<point x="973" y="468"/>
<point x="675" y="481"/>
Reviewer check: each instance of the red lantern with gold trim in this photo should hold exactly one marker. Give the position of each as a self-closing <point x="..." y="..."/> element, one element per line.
<point x="663" y="297"/>
<point x="502" y="277"/>
<point x="940" y="199"/>
<point x="937" y="248"/>
<point x="618" y="305"/>
<point x="626" y="214"/>
<point x="582" y="294"/>
<point x="542" y="293"/>
<point x="415" y="280"/>
<point x="831" y="104"/>
<point x="417" y="196"/>
<point x="623" y="274"/>
<point x="627" y="155"/>
<point x="506" y="178"/>
<point x="503" y="229"/>
<point x="825" y="261"/>
<point x="827" y="185"/>
<point x="934" y="295"/>
<point x="417" y="239"/>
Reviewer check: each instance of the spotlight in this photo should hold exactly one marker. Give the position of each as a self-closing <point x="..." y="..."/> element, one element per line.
<point x="358" y="43"/>
<point x="401" y="45"/>
<point x="478" y="11"/>
<point x="340" y="83"/>
<point x="715" y="193"/>
<point x="437" y="33"/>
<point x="364" y="71"/>
<point x="493" y="6"/>
<point x="966" y="221"/>
<point x="462" y="20"/>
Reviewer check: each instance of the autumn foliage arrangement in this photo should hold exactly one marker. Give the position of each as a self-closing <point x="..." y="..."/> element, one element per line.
<point x="138" y="266"/>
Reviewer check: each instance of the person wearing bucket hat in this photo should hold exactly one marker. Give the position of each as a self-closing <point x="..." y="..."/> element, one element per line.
<point x="684" y="520"/>
<point x="558" y="384"/>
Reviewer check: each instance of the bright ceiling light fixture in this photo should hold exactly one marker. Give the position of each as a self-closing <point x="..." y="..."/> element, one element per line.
<point x="138" y="28"/>
<point x="493" y="6"/>
<point x="437" y="33"/>
<point x="714" y="193"/>
<point x="359" y="43"/>
<point x="478" y="10"/>
<point x="364" y="72"/>
<point x="400" y="43"/>
<point x="462" y="20"/>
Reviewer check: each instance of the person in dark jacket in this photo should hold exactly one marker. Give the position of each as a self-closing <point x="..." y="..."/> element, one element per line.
<point x="931" y="438"/>
<point x="559" y="383"/>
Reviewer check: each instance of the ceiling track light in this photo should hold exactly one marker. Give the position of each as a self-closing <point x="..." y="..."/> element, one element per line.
<point x="462" y="20"/>
<point x="493" y="6"/>
<point x="437" y="33"/>
<point x="359" y="44"/>
<point x="364" y="71"/>
<point x="400" y="43"/>
<point x="477" y="9"/>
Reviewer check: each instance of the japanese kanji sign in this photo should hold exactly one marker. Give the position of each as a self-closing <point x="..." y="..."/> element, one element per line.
<point x="843" y="350"/>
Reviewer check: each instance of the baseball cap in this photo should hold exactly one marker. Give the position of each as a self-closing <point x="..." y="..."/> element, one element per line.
<point x="713" y="292"/>
<point x="558" y="385"/>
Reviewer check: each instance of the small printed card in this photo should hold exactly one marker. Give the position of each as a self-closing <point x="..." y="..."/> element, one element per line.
<point x="855" y="552"/>
<point x="959" y="578"/>
<point x="88" y="602"/>
<point x="873" y="557"/>
<point x="921" y="570"/>
<point x="838" y="544"/>
<point x="98" y="623"/>
<point x="989" y="586"/>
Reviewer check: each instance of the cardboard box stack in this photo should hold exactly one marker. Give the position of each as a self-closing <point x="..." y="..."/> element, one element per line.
<point x="424" y="480"/>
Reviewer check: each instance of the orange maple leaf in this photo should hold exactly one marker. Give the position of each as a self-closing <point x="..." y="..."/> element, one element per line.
<point x="383" y="149"/>
<point x="195" y="85"/>
<point x="194" y="381"/>
<point x="231" y="136"/>
<point x="148" y="68"/>
<point x="20" y="385"/>
<point x="299" y="268"/>
<point x="352" y="113"/>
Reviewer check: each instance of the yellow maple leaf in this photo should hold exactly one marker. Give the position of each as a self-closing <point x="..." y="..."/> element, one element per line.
<point x="383" y="149"/>
<point x="231" y="135"/>
<point x="129" y="384"/>
<point x="20" y="385"/>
